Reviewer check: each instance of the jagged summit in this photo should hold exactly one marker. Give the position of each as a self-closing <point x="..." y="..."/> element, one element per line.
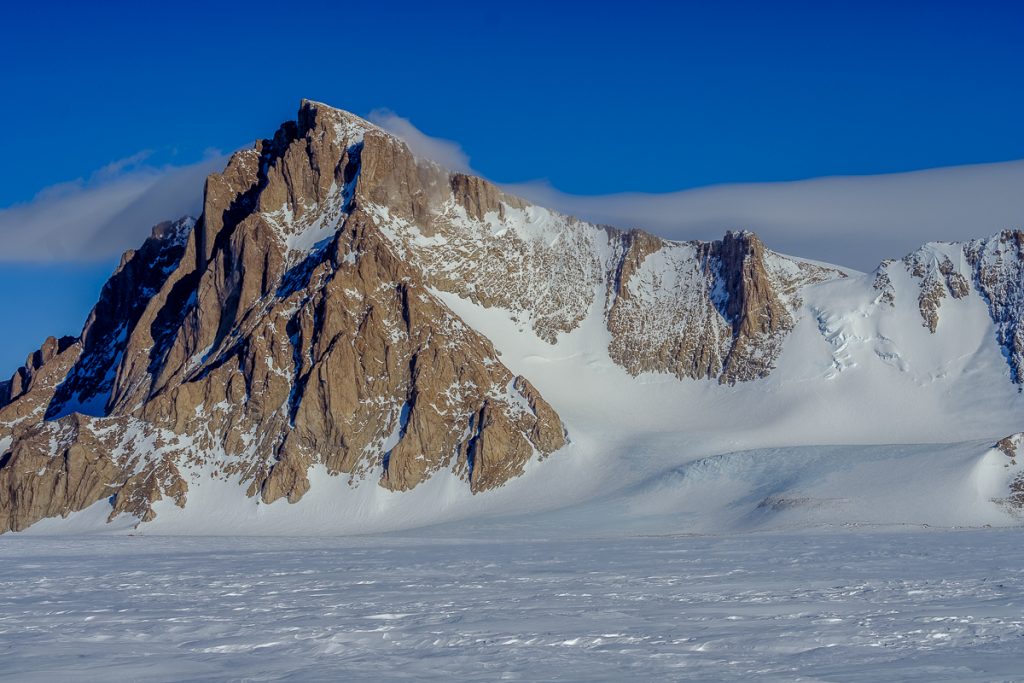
<point x="345" y="310"/>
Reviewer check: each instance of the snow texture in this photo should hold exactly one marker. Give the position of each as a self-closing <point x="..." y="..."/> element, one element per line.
<point x="483" y="602"/>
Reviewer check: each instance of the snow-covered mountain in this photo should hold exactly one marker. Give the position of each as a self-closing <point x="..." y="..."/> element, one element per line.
<point x="350" y="339"/>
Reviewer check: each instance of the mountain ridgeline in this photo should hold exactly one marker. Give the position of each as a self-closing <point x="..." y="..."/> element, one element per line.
<point x="304" y="323"/>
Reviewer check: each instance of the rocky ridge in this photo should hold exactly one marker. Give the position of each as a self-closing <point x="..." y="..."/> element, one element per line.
<point x="717" y="310"/>
<point x="992" y="268"/>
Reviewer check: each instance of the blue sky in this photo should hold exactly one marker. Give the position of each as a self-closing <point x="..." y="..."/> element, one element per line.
<point x="595" y="98"/>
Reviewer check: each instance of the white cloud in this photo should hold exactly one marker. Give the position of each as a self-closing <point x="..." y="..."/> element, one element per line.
<point x="855" y="221"/>
<point x="100" y="217"/>
<point x="448" y="153"/>
<point x="852" y="221"/>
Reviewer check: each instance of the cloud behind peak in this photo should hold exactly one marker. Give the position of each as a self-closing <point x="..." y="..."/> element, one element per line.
<point x="96" y="218"/>
<point x="853" y="221"/>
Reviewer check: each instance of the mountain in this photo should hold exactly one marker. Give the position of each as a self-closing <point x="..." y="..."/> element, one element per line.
<point x="350" y="338"/>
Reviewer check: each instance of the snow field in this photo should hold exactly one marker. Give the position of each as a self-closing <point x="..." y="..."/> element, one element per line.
<point x="488" y="602"/>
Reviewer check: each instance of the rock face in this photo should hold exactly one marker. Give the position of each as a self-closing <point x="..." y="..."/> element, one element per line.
<point x="123" y="300"/>
<point x="1013" y="448"/>
<point x="299" y="324"/>
<point x="38" y="373"/>
<point x="998" y="270"/>
<point x="716" y="310"/>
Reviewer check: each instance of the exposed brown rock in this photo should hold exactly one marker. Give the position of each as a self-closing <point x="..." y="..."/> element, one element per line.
<point x="660" y="326"/>
<point x="710" y="310"/>
<point x="31" y="389"/>
<point x="480" y="197"/>
<point x="998" y="265"/>
<point x="56" y="467"/>
<point x="30" y="374"/>
<point x="956" y="283"/>
<point x="412" y="190"/>
<point x="939" y="279"/>
<point x="37" y="481"/>
<point x="124" y="298"/>
<point x="929" y="300"/>
<point x="138" y="493"/>
<point x="994" y="267"/>
<point x="1010" y="444"/>
<point x="883" y="284"/>
<point x="752" y="305"/>
<point x="1016" y="497"/>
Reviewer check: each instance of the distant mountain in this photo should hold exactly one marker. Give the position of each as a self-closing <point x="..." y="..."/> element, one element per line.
<point x="375" y="340"/>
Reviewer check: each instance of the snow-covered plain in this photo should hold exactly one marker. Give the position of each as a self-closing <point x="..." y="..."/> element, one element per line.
<point x="485" y="601"/>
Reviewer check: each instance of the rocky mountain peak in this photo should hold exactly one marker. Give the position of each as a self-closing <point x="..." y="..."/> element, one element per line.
<point x="277" y="334"/>
<point x="305" y="326"/>
<point x="28" y="375"/>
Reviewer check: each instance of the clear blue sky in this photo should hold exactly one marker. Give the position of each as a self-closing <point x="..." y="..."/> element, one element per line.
<point x="596" y="97"/>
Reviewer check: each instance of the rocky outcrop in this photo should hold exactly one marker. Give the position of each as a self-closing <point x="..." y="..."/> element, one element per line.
<point x="993" y="268"/>
<point x="1011" y="446"/>
<point x="32" y="372"/>
<point x="663" y="313"/>
<point x="998" y="264"/>
<point x="479" y="197"/>
<point x="52" y="470"/>
<point x="754" y="287"/>
<point x="883" y="284"/>
<point x="25" y="397"/>
<point x="938" y="279"/>
<point x="717" y="310"/>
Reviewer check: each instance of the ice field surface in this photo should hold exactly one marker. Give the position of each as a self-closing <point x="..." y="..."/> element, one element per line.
<point x="490" y="603"/>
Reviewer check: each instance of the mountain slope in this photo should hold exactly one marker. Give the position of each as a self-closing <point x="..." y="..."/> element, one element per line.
<point x="368" y="340"/>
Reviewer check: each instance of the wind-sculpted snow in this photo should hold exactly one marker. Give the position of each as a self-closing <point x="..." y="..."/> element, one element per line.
<point x="458" y="605"/>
